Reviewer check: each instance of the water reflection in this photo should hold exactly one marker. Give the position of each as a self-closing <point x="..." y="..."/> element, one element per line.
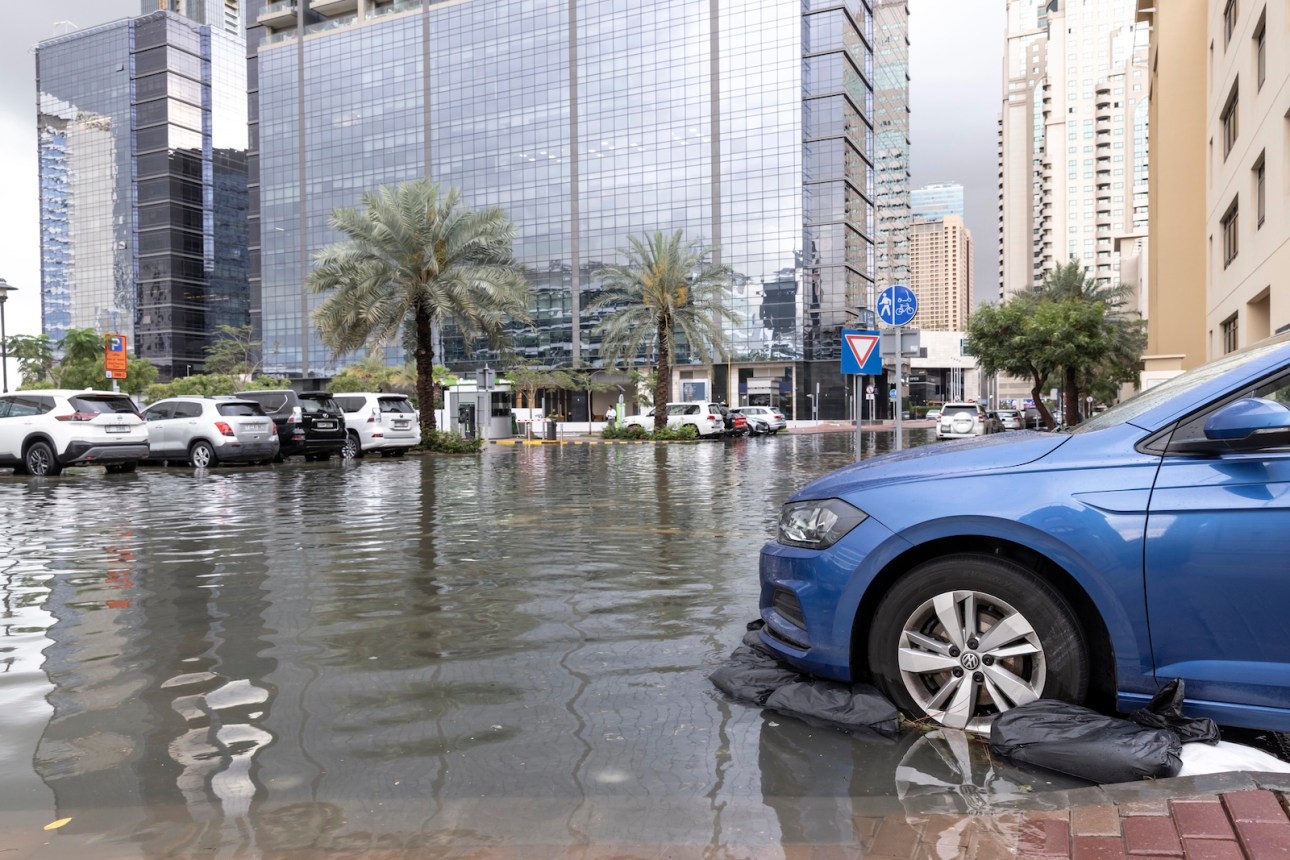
<point x="429" y="653"/>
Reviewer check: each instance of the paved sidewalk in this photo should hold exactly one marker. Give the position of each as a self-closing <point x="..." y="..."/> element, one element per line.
<point x="1221" y="816"/>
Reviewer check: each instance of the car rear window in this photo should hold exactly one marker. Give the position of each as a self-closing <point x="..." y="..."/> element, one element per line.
<point x="396" y="404"/>
<point x="318" y="405"/>
<point x="239" y="409"/>
<point x="102" y="403"/>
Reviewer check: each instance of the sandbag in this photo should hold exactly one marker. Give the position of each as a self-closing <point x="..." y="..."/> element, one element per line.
<point x="752" y="674"/>
<point x="857" y="706"/>
<point x="1165" y="712"/>
<point x="1224" y="757"/>
<point x="1082" y="743"/>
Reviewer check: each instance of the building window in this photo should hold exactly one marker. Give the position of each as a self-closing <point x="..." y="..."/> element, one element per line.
<point x="1229" y="233"/>
<point x="1229" y="21"/>
<point x="1260" y="183"/>
<point x="1229" y="116"/>
<point x="1229" y="334"/>
<point x="1260" y="50"/>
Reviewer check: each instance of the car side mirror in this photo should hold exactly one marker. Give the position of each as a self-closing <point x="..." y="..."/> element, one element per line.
<point x="1248" y="424"/>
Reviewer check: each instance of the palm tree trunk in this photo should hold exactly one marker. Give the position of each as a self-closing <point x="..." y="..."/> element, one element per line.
<point x="424" y="356"/>
<point x="1070" y="398"/>
<point x="662" y="385"/>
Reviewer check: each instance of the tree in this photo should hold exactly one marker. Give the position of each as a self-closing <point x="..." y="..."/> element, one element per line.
<point x="528" y="377"/>
<point x="35" y="356"/>
<point x="234" y="352"/>
<point x="1108" y="351"/>
<point x="416" y="257"/>
<point x="1068" y="329"/>
<point x="665" y="289"/>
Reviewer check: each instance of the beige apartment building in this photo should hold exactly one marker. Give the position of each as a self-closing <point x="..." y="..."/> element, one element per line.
<point x="940" y="272"/>
<point x="1219" y="272"/>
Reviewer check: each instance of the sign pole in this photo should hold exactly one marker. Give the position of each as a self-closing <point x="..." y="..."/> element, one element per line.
<point x="900" y="390"/>
<point x="855" y="380"/>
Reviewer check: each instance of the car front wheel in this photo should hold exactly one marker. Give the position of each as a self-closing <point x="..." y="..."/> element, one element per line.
<point x="39" y="460"/>
<point x="963" y="638"/>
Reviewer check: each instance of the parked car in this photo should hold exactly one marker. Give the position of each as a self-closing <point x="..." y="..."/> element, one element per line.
<point x="1011" y="419"/>
<point x="959" y="420"/>
<point x="762" y="419"/>
<point x="1091" y="564"/>
<point x="309" y="422"/>
<point x="205" y="431"/>
<point x="933" y="414"/>
<point x="380" y="422"/>
<point x="704" y="416"/>
<point x="738" y="424"/>
<point x="994" y="424"/>
<point x="1034" y="421"/>
<point x="43" y="431"/>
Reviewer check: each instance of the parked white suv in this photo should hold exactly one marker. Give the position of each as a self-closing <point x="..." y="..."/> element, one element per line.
<point x="381" y="422"/>
<point x="43" y="431"/>
<point x="960" y="420"/>
<point x="205" y="431"/>
<point x="703" y="416"/>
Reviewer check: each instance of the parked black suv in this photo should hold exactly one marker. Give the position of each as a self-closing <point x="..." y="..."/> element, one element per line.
<point x="309" y="422"/>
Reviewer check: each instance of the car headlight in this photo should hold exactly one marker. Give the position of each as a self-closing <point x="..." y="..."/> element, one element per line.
<point x="817" y="524"/>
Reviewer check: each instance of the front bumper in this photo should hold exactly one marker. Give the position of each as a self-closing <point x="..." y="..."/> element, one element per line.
<point x="810" y="598"/>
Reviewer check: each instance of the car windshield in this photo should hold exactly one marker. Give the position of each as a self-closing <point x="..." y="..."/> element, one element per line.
<point x="1150" y="398"/>
<point x="108" y="403"/>
<point x="318" y="405"/>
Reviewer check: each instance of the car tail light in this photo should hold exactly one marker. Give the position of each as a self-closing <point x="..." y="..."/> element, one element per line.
<point x="224" y="429"/>
<point x="296" y="414"/>
<point x="273" y="428"/>
<point x="372" y="418"/>
<point x="78" y="416"/>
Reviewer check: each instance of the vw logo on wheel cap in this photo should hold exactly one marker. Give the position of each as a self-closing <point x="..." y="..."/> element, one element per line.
<point x="971" y="661"/>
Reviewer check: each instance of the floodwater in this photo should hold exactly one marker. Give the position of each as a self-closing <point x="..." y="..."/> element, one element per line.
<point x="426" y="656"/>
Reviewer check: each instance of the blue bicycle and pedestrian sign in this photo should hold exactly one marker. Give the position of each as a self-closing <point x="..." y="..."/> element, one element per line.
<point x="897" y="305"/>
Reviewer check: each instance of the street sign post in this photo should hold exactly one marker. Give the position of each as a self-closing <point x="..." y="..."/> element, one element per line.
<point x="897" y="307"/>
<point x="860" y="357"/>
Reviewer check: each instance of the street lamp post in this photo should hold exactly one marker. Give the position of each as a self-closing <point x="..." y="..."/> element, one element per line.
<point x="5" y="289"/>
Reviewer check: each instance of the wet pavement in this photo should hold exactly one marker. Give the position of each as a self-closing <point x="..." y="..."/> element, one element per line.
<point x="493" y="656"/>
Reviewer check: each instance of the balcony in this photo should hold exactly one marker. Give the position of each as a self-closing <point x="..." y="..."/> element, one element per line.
<point x="331" y="8"/>
<point x="277" y="15"/>
<point x="383" y="7"/>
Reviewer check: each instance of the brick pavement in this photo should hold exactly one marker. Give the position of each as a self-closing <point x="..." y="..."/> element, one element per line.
<point x="1224" y="816"/>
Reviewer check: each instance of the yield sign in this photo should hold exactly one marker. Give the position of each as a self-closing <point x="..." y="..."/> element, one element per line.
<point x="860" y="352"/>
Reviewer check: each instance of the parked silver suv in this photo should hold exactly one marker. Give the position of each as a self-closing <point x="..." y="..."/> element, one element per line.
<point x="385" y="423"/>
<point x="43" y="431"/>
<point x="204" y="431"/>
<point x="962" y="420"/>
<point x="762" y="419"/>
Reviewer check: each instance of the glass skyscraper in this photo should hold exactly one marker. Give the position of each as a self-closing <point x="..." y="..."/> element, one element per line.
<point x="141" y="133"/>
<point x="746" y="124"/>
<point x="891" y="146"/>
<point x="938" y="200"/>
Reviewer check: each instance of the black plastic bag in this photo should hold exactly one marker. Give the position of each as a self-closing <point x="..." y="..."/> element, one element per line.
<point x="1165" y="712"/>
<point x="1082" y="743"/>
<point x="858" y="706"/>
<point x="752" y="674"/>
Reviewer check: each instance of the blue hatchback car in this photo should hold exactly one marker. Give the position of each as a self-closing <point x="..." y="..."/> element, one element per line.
<point x="1095" y="564"/>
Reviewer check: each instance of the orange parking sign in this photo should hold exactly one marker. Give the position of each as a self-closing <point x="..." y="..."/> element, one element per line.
<point x="115" y="356"/>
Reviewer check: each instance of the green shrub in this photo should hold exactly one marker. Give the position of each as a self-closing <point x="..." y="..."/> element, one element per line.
<point x="667" y="434"/>
<point x="443" y="442"/>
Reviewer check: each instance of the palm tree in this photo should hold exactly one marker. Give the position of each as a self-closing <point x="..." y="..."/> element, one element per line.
<point x="416" y="257"/>
<point x="665" y="288"/>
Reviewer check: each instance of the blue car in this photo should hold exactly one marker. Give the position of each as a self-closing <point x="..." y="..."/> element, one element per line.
<point x="1092" y="564"/>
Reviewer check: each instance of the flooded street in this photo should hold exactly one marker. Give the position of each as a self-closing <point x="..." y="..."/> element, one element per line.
<point x="427" y="656"/>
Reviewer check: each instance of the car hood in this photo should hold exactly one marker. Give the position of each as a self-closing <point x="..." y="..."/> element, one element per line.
<point x="929" y="462"/>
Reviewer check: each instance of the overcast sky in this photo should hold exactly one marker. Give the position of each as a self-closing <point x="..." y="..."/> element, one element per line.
<point x="955" y="65"/>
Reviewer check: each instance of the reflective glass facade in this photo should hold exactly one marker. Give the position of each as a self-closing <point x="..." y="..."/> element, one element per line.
<point x="938" y="200"/>
<point x="746" y="124"/>
<point x="142" y="153"/>
<point x="891" y="146"/>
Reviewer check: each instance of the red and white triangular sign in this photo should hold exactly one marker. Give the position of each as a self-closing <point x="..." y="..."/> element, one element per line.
<point x="862" y="346"/>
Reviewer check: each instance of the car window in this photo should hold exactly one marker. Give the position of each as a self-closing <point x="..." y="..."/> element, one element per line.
<point x="397" y="405"/>
<point x="318" y="405"/>
<point x="21" y="407"/>
<point x="159" y="412"/>
<point x="1193" y="429"/>
<point x="184" y="409"/>
<point x="350" y="404"/>
<point x="239" y="409"/>
<point x="107" y="403"/>
<point x="4" y="407"/>
<point x="272" y="401"/>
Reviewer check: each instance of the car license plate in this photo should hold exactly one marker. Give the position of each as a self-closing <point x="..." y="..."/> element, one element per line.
<point x="325" y="425"/>
<point x="400" y="425"/>
<point x="118" y="428"/>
